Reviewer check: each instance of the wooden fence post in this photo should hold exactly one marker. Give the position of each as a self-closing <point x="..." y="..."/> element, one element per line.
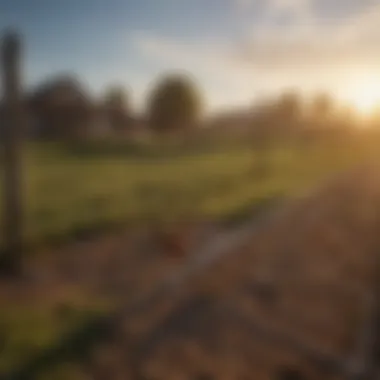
<point x="12" y="152"/>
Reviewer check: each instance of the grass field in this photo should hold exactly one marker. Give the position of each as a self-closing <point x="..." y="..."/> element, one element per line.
<point x="78" y="188"/>
<point x="84" y="187"/>
<point x="25" y="331"/>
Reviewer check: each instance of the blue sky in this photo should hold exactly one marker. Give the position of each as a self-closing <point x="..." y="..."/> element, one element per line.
<point x="235" y="49"/>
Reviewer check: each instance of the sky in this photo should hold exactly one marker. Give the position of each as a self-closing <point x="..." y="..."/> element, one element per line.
<point x="236" y="50"/>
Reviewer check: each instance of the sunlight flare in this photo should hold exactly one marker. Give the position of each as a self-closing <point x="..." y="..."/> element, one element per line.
<point x="365" y="96"/>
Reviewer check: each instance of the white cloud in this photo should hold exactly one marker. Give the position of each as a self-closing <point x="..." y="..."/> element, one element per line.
<point x="308" y="53"/>
<point x="227" y="80"/>
<point x="274" y="8"/>
<point x="314" y="43"/>
<point x="301" y="8"/>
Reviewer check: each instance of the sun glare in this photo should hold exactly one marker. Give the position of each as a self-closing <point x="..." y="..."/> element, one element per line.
<point x="366" y="97"/>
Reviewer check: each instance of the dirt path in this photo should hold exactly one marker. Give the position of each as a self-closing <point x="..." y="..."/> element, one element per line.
<point x="306" y="273"/>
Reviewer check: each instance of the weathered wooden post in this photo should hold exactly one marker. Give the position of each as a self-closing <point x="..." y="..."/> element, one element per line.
<point x="12" y="152"/>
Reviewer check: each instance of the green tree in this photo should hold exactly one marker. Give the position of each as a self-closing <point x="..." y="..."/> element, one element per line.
<point x="116" y="97"/>
<point x="117" y="107"/>
<point x="62" y="107"/>
<point x="175" y="104"/>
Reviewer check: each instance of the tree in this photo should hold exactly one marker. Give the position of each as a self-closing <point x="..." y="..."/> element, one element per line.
<point x="282" y="116"/>
<point x="322" y="106"/>
<point x="289" y="107"/>
<point x="61" y="106"/>
<point x="116" y="104"/>
<point x="175" y="104"/>
<point x="116" y="97"/>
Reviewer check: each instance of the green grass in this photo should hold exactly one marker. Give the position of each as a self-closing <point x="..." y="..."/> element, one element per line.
<point x="26" y="333"/>
<point x="70" y="190"/>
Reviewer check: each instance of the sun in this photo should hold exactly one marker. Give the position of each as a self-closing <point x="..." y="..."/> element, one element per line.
<point x="367" y="101"/>
<point x="365" y="97"/>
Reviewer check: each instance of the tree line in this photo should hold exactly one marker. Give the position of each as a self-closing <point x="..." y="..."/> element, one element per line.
<point x="62" y="107"/>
